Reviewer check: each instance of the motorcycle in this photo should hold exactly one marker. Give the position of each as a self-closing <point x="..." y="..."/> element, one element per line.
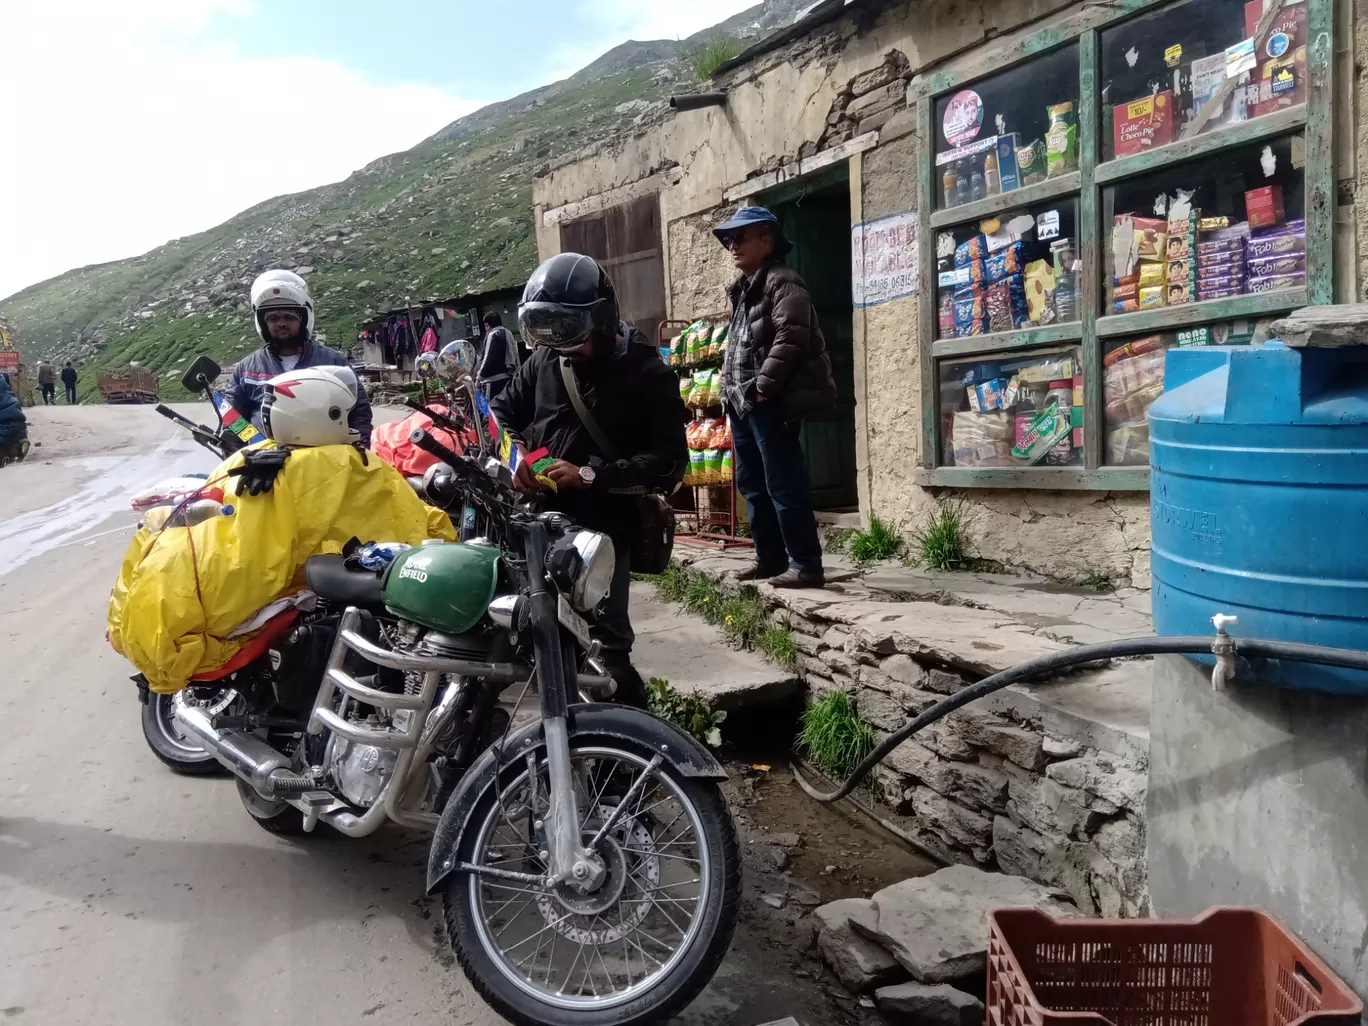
<point x="587" y="862"/>
<point x="168" y="742"/>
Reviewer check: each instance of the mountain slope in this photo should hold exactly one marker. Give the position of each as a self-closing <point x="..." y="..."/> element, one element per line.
<point x="451" y="216"/>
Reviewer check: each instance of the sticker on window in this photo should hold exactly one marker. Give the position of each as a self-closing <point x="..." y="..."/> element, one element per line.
<point x="1278" y="44"/>
<point x="1047" y="225"/>
<point x="963" y="117"/>
<point x="1240" y="58"/>
<point x="1173" y="56"/>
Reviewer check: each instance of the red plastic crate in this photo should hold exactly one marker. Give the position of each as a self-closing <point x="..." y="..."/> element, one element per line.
<point x="1227" y="967"/>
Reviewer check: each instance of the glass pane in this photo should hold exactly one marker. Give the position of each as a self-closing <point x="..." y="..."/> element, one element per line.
<point x="1240" y="231"/>
<point x="1019" y="270"/>
<point x="1013" y="410"/>
<point x="1133" y="377"/>
<point x="1012" y="129"/>
<point x="1167" y="75"/>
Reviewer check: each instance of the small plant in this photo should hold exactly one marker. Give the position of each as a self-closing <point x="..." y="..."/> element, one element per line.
<point x="744" y="618"/>
<point x="777" y="645"/>
<point x="671" y="584"/>
<point x="707" y="56"/>
<point x="834" y="736"/>
<point x="942" y="538"/>
<point x="881" y="541"/>
<point x="837" y="540"/>
<point x="693" y="715"/>
<point x="1096" y="580"/>
<point x="702" y="598"/>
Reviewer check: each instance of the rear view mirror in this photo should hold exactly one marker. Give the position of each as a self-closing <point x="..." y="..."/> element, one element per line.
<point x="201" y="375"/>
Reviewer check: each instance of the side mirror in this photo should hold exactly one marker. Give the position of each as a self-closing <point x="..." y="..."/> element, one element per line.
<point x="201" y="375"/>
<point x="456" y="361"/>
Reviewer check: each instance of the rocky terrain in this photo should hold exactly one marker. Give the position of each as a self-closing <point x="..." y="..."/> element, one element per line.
<point x="449" y="217"/>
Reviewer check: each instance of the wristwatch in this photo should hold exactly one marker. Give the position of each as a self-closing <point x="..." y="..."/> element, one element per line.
<point x="587" y="475"/>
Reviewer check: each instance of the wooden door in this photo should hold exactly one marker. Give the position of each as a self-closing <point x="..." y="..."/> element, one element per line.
<point x="818" y="225"/>
<point x="626" y="240"/>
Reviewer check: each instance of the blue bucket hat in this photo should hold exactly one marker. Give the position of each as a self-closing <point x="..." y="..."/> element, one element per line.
<point x="746" y="216"/>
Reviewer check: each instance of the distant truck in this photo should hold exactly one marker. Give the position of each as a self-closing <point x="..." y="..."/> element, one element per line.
<point x="130" y="385"/>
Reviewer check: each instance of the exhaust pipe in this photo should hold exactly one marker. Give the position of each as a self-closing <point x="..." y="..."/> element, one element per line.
<point x="244" y="754"/>
<point x="696" y="101"/>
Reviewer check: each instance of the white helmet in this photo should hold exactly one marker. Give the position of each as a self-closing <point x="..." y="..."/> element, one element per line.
<point x="310" y="407"/>
<point x="281" y="289"/>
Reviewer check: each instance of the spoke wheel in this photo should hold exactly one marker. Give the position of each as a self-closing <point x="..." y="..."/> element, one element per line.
<point x="636" y="947"/>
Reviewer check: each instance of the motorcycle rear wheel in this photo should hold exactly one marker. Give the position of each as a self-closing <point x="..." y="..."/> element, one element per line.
<point x="170" y="745"/>
<point x="643" y="907"/>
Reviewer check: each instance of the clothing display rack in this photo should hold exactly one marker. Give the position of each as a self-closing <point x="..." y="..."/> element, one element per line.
<point x="705" y="514"/>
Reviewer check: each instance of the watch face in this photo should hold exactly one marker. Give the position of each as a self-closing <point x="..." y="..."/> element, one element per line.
<point x="587" y="475"/>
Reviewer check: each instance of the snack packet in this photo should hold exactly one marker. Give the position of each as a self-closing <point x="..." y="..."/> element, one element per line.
<point x="728" y="472"/>
<point x="712" y="463"/>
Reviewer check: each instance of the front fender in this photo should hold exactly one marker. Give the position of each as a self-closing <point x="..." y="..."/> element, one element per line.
<point x="685" y="755"/>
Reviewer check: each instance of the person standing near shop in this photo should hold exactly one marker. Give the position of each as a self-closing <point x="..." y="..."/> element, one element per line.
<point x="69" y="381"/>
<point x="776" y="371"/>
<point x="47" y="382"/>
<point x="498" y="356"/>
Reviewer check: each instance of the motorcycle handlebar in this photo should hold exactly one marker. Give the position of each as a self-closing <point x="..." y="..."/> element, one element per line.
<point x="432" y="447"/>
<point x="439" y="419"/>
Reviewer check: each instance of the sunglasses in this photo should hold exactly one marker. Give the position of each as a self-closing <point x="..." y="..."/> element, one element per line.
<point x="739" y="237"/>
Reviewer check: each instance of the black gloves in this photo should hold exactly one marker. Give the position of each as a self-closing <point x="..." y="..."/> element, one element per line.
<point x="259" y="469"/>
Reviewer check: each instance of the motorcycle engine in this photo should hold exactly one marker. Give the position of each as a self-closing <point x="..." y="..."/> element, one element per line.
<point x="361" y="771"/>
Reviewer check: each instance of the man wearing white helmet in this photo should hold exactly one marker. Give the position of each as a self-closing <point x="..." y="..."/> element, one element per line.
<point x="284" y="316"/>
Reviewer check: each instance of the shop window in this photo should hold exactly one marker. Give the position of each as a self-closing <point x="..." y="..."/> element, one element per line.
<point x="1016" y="270"/>
<point x="1190" y="67"/>
<point x="1013" y="410"/>
<point x="1133" y="377"/>
<point x="1228" y="225"/>
<point x="1007" y="131"/>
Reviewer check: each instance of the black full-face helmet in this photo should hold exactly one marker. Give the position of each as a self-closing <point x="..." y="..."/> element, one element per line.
<point x="567" y="299"/>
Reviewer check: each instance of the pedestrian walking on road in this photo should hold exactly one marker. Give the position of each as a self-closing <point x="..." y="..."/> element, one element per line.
<point x="47" y="382"/>
<point x="776" y="371"/>
<point x="69" y="380"/>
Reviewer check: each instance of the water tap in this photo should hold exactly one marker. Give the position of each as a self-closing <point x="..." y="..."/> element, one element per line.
<point x="1223" y="647"/>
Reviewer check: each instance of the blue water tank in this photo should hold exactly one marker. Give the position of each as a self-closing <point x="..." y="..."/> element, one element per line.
<point x="1259" y="500"/>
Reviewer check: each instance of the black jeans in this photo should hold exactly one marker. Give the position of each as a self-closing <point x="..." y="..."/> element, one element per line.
<point x="71" y="395"/>
<point x="49" y="394"/>
<point x="613" y="630"/>
<point x="772" y="475"/>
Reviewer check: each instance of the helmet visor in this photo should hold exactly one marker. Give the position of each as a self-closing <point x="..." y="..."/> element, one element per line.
<point x="553" y="325"/>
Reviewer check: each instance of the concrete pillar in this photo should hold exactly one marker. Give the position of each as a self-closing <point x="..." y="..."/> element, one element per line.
<point x="1258" y="796"/>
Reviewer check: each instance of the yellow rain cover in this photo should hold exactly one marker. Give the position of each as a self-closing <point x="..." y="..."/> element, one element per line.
<point x="182" y="591"/>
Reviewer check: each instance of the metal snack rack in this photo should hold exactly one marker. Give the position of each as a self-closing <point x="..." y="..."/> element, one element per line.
<point x="704" y="514"/>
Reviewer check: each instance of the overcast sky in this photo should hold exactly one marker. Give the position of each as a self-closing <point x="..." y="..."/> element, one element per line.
<point x="126" y="123"/>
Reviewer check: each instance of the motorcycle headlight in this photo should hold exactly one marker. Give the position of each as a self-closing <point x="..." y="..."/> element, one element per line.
<point x="595" y="577"/>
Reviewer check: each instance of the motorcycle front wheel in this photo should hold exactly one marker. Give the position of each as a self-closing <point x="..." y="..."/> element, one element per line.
<point x="642" y="945"/>
<point x="170" y="744"/>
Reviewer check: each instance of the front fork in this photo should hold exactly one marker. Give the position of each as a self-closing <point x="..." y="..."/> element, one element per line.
<point x="569" y="861"/>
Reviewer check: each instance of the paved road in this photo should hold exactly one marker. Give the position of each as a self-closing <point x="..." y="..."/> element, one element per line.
<point x="129" y="895"/>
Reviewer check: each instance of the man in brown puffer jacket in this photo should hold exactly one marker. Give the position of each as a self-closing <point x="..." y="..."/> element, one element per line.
<point x="776" y="371"/>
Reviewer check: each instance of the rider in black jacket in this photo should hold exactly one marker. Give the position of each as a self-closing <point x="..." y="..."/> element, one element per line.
<point x="569" y="309"/>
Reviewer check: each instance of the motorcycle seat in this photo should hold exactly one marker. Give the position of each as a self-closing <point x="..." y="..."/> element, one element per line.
<point x="330" y="579"/>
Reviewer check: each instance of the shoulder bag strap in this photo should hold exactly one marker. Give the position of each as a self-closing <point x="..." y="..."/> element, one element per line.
<point x="582" y="411"/>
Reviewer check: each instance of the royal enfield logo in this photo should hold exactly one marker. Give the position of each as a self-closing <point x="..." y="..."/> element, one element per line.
<point x="416" y="569"/>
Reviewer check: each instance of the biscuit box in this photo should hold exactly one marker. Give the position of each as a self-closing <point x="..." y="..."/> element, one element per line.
<point x="1268" y="245"/>
<point x="1264" y="207"/>
<point x="1142" y="124"/>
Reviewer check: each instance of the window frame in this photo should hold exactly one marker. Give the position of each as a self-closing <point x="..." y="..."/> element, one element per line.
<point x="1313" y="120"/>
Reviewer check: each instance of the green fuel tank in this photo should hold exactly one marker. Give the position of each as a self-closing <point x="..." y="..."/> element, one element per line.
<point x="446" y="586"/>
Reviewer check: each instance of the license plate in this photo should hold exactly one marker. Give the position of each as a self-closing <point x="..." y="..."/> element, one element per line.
<point x="572" y="621"/>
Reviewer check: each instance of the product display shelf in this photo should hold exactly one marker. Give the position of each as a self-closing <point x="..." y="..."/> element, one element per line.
<point x="705" y="515"/>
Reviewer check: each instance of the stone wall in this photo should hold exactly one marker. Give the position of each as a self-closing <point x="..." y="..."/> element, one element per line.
<point x="992" y="784"/>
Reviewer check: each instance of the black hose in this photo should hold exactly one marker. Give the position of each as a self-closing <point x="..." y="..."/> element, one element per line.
<point x="1073" y="657"/>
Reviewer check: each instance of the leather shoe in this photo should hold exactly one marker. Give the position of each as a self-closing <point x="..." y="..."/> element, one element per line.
<point x="756" y="572"/>
<point x="800" y="579"/>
